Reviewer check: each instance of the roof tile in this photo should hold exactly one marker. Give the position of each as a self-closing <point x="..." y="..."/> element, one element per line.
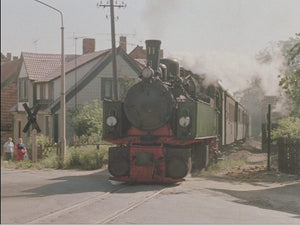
<point x="45" y="67"/>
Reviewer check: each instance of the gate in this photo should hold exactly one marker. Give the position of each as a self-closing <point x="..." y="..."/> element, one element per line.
<point x="289" y="155"/>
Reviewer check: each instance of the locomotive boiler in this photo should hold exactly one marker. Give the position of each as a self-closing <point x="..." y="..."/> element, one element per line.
<point x="164" y="128"/>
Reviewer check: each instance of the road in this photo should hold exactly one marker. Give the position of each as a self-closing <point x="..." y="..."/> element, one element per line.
<point x="72" y="197"/>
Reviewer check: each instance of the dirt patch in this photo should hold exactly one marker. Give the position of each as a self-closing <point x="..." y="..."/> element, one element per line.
<point x="255" y="166"/>
<point x="251" y="183"/>
<point x="257" y="173"/>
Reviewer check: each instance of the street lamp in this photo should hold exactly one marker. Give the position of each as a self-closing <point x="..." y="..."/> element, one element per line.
<point x="63" y="93"/>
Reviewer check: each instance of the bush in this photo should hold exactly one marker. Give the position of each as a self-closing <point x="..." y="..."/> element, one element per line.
<point x="288" y="126"/>
<point x="83" y="157"/>
<point x="87" y="157"/>
<point x="93" y="138"/>
<point x="87" y="119"/>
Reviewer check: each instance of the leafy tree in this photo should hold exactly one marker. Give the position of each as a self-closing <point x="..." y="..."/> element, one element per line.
<point x="87" y="120"/>
<point x="125" y="84"/>
<point x="290" y="81"/>
<point x="288" y="126"/>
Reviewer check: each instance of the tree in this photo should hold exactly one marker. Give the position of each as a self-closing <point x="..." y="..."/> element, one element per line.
<point x="87" y="120"/>
<point x="125" y="84"/>
<point x="290" y="81"/>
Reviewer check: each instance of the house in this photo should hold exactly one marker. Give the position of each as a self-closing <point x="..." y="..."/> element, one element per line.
<point x="9" y="76"/>
<point x="88" y="77"/>
<point x="139" y="54"/>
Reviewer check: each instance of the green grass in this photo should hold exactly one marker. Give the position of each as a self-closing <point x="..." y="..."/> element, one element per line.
<point x="223" y="165"/>
<point x="83" y="157"/>
<point x="87" y="158"/>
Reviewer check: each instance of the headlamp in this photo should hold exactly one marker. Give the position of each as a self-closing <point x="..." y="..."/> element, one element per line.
<point x="111" y="121"/>
<point x="147" y="72"/>
<point x="184" y="121"/>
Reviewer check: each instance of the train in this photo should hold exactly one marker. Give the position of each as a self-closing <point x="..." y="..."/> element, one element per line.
<point x="169" y="124"/>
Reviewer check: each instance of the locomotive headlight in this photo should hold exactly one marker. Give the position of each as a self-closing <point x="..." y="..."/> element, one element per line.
<point x="184" y="121"/>
<point x="147" y="72"/>
<point x="111" y="121"/>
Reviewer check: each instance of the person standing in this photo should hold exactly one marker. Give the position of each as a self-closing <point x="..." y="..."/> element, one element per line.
<point x="8" y="149"/>
<point x="21" y="150"/>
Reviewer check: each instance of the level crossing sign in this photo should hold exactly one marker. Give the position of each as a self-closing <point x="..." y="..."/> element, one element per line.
<point x="32" y="118"/>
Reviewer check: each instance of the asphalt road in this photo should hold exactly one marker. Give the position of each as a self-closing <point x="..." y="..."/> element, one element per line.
<point x="73" y="197"/>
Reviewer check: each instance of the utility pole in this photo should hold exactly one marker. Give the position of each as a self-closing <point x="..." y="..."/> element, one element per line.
<point x="113" y="44"/>
<point x="269" y="135"/>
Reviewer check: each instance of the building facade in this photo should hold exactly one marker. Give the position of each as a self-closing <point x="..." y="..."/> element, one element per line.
<point x="9" y="98"/>
<point x="88" y="78"/>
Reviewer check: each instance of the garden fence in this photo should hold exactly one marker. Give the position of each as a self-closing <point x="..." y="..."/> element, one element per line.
<point x="289" y="155"/>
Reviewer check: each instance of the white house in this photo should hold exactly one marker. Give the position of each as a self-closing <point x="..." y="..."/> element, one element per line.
<point x="88" y="77"/>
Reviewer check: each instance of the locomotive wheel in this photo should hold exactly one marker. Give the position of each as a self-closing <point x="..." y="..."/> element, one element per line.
<point x="118" y="161"/>
<point x="199" y="157"/>
<point x="177" y="168"/>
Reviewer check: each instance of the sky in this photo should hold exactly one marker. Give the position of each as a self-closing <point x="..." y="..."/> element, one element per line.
<point x="197" y="32"/>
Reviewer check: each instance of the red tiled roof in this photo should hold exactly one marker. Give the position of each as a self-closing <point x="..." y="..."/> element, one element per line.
<point x="45" y="67"/>
<point x="138" y="53"/>
<point x="71" y="65"/>
<point x="39" y="66"/>
<point x="8" y="69"/>
<point x="141" y="62"/>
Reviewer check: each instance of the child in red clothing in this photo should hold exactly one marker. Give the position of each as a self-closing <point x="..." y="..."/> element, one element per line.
<point x="21" y="150"/>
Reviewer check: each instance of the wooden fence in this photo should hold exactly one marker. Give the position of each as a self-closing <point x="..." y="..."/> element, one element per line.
<point x="289" y="155"/>
<point x="42" y="150"/>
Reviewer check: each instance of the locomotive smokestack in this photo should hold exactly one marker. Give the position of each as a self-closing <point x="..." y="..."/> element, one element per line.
<point x="152" y="49"/>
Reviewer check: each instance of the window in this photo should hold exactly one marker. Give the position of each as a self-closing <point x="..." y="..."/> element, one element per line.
<point x="124" y="83"/>
<point x="19" y="129"/>
<point x="230" y="111"/>
<point x="23" y="89"/>
<point x="47" y="121"/>
<point x="106" y="88"/>
<point x="42" y="91"/>
<point x="50" y="90"/>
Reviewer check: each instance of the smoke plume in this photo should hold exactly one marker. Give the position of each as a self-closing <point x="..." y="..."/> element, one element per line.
<point x="236" y="70"/>
<point x="159" y="14"/>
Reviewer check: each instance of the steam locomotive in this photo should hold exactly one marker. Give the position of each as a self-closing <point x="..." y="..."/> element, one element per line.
<point x="168" y="125"/>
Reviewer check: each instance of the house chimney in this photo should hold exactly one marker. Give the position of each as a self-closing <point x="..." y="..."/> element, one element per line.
<point x="8" y="56"/>
<point x="123" y="43"/>
<point x="88" y="45"/>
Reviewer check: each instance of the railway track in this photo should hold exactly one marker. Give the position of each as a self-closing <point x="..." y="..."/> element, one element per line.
<point x="68" y="215"/>
<point x="115" y="215"/>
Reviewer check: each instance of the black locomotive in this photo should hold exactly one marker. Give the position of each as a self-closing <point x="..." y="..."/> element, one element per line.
<point x="169" y="123"/>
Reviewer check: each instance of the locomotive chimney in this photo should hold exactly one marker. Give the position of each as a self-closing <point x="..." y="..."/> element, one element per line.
<point x="152" y="51"/>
